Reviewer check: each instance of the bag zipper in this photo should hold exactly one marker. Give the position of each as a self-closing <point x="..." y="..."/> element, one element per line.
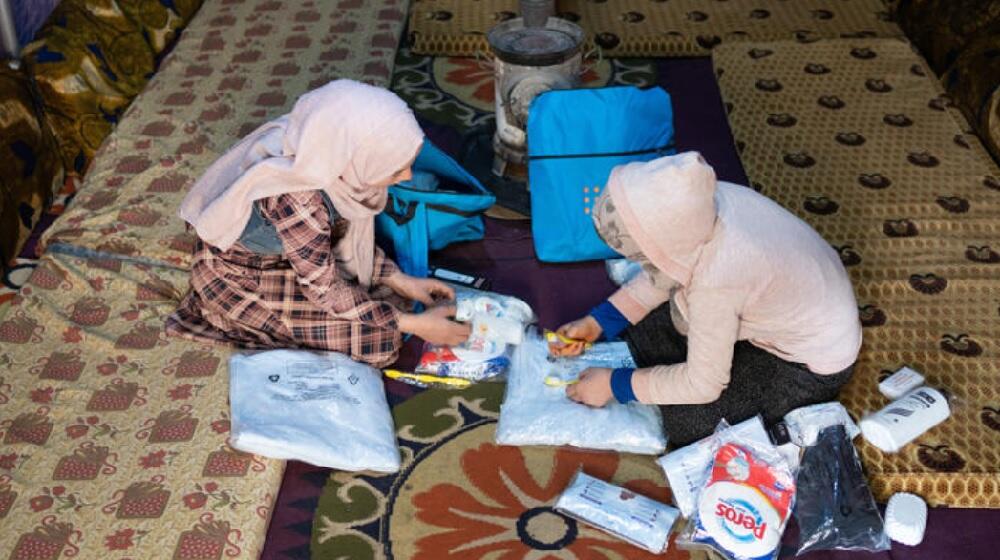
<point x="607" y="154"/>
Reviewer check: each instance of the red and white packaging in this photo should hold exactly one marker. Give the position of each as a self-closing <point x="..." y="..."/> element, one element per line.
<point x="745" y="503"/>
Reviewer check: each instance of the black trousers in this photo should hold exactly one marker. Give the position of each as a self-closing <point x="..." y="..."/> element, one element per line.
<point x="760" y="382"/>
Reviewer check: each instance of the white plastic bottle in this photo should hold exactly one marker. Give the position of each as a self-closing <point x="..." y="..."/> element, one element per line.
<point x="905" y="419"/>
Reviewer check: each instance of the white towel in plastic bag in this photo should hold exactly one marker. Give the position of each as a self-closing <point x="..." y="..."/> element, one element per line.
<point x="536" y="414"/>
<point x="318" y="407"/>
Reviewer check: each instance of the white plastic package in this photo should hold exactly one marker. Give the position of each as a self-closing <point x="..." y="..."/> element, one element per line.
<point x="498" y="322"/>
<point x="536" y="414"/>
<point x="905" y="419"/>
<point x="900" y="383"/>
<point x="805" y="423"/>
<point x="622" y="270"/>
<point x="612" y="355"/>
<point x="906" y="518"/>
<point x="618" y="511"/>
<point x="318" y="407"/>
<point x="687" y="468"/>
<point x="743" y="508"/>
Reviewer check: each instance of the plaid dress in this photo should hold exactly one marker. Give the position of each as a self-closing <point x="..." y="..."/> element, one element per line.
<point x="298" y="299"/>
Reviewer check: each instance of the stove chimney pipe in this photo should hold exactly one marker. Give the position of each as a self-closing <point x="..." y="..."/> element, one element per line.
<point x="536" y="12"/>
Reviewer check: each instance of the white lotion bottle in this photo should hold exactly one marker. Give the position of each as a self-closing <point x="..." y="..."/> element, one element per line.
<point x="905" y="419"/>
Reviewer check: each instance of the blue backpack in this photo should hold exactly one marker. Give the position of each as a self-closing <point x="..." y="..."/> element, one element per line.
<point x="441" y="205"/>
<point x="575" y="138"/>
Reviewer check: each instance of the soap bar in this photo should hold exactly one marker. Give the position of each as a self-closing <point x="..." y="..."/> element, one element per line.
<point x="900" y="383"/>
<point x="629" y="516"/>
<point x="906" y="519"/>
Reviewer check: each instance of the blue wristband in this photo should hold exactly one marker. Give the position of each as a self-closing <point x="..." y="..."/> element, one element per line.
<point x="611" y="320"/>
<point x="621" y="385"/>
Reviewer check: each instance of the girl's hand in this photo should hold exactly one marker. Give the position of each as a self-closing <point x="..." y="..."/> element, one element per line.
<point x="425" y="290"/>
<point x="435" y="326"/>
<point x="593" y="388"/>
<point x="584" y="330"/>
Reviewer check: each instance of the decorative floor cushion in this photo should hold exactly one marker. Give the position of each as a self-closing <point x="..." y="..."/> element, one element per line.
<point x="974" y="82"/>
<point x="961" y="40"/>
<point x="88" y="64"/>
<point x="644" y="28"/>
<point x="30" y="170"/>
<point x="856" y="137"/>
<point x="113" y="436"/>
<point x="159" y="21"/>
<point x="236" y="66"/>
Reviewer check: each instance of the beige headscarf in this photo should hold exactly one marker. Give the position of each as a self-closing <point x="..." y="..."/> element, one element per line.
<point x="611" y="227"/>
<point x="659" y="213"/>
<point x="342" y="138"/>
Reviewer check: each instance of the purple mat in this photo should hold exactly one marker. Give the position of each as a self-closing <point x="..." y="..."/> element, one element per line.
<point x="561" y="293"/>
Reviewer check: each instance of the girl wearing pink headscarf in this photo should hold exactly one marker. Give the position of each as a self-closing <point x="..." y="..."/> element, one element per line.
<point x="286" y="254"/>
<point x="741" y="308"/>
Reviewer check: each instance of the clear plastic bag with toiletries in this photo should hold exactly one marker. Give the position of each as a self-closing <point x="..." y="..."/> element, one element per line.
<point x="536" y="410"/>
<point x="744" y="505"/>
<point x="498" y="323"/>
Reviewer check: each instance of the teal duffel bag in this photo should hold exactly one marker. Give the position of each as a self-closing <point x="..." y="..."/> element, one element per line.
<point x="442" y="204"/>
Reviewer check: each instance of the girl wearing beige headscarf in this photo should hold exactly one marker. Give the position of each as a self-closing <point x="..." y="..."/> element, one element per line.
<point x="286" y="254"/>
<point x="741" y="308"/>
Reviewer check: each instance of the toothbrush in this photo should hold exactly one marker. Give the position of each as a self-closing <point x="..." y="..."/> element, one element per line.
<point x="427" y="378"/>
<point x="554" y="381"/>
<point x="553" y="337"/>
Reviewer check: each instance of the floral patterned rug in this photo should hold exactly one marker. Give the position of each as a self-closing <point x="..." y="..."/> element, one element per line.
<point x="459" y="495"/>
<point x="457" y="92"/>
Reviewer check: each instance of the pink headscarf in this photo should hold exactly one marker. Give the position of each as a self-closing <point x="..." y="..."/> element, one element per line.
<point x="342" y="138"/>
<point x="660" y="212"/>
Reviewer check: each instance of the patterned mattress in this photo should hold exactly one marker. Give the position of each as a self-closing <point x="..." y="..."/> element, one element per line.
<point x="856" y="138"/>
<point x="112" y="436"/>
<point x="645" y="28"/>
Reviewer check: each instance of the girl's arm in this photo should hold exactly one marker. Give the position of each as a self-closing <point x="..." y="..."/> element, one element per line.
<point x="385" y="268"/>
<point x="712" y="332"/>
<point x="303" y="224"/>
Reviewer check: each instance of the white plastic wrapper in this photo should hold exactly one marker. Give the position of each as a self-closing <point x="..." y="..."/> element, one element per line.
<point x="318" y="407"/>
<point x="687" y="468"/>
<point x="622" y="270"/>
<point x="620" y="512"/>
<point x="743" y="508"/>
<point x="906" y="518"/>
<point x="900" y="383"/>
<point x="612" y="355"/>
<point x="805" y="423"/>
<point x="536" y="414"/>
<point x="792" y="454"/>
<point x="498" y="322"/>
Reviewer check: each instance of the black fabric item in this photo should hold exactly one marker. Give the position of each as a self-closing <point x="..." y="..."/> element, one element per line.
<point x="760" y="382"/>
<point x="834" y="507"/>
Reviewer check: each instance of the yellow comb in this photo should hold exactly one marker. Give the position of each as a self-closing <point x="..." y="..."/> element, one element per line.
<point x="553" y="381"/>
<point x="427" y="378"/>
<point x="552" y="337"/>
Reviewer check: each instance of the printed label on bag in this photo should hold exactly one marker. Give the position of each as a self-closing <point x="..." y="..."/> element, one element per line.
<point x="311" y="381"/>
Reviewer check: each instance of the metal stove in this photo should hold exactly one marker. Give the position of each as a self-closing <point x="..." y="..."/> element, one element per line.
<point x="533" y="54"/>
